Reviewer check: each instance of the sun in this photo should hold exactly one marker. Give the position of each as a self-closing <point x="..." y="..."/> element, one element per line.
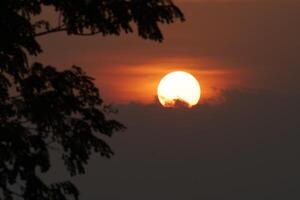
<point x="178" y="88"/>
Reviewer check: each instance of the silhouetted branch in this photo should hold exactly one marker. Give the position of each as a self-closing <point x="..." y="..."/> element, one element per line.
<point x="54" y="30"/>
<point x="60" y="29"/>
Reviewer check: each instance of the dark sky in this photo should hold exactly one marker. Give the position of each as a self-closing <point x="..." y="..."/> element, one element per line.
<point x="245" y="53"/>
<point x="245" y="148"/>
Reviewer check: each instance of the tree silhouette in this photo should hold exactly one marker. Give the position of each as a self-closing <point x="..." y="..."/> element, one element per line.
<point x="41" y="107"/>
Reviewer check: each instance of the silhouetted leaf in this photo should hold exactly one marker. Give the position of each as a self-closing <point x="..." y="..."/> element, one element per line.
<point x="41" y="106"/>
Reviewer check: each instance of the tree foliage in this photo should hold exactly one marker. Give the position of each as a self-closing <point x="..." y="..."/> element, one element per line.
<point x="42" y="107"/>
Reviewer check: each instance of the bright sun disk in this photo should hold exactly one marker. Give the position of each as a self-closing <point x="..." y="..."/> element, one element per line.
<point x="178" y="87"/>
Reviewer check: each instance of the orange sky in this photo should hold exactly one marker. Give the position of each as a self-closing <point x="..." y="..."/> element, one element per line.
<point x="224" y="44"/>
<point x="139" y="82"/>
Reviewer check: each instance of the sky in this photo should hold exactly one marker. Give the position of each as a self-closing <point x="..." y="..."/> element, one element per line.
<point x="246" y="44"/>
<point x="240" y="142"/>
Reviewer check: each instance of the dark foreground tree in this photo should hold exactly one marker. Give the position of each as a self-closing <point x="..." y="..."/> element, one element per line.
<point x="41" y="107"/>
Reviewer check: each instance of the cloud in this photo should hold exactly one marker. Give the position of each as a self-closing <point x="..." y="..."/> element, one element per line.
<point x="244" y="148"/>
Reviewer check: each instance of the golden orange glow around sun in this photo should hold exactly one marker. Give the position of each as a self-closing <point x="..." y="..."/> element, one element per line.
<point x="178" y="87"/>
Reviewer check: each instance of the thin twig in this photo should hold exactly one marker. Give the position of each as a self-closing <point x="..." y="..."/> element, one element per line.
<point x="60" y="29"/>
<point x="54" y="30"/>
